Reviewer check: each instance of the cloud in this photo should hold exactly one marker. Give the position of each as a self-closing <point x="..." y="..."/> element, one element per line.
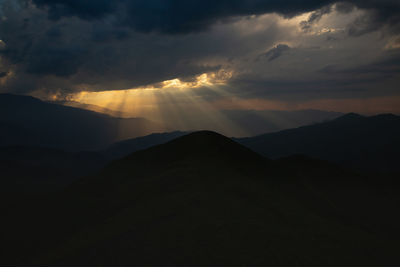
<point x="73" y="54"/>
<point x="172" y="16"/>
<point x="386" y="66"/>
<point x="63" y="47"/>
<point x="276" y="52"/>
<point x="314" y="17"/>
<point x="87" y="9"/>
<point x="384" y="13"/>
<point x="180" y="16"/>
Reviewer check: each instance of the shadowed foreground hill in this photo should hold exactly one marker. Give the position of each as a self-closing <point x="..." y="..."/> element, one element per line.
<point x="366" y="143"/>
<point x="126" y="147"/>
<point x="204" y="200"/>
<point x="36" y="169"/>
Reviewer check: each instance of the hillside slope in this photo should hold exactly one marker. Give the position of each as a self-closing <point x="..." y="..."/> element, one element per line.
<point x="126" y="147"/>
<point x="37" y="169"/>
<point x="366" y="143"/>
<point x="30" y="121"/>
<point x="204" y="200"/>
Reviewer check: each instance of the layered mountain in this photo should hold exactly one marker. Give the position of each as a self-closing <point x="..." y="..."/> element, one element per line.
<point x="126" y="147"/>
<point x="26" y="120"/>
<point x="256" y="122"/>
<point x="37" y="169"/>
<point x="242" y="122"/>
<point x="205" y="200"/>
<point x="365" y="143"/>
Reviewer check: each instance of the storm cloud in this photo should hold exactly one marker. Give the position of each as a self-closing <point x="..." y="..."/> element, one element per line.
<point x="180" y="16"/>
<point x="276" y="52"/>
<point x="67" y="46"/>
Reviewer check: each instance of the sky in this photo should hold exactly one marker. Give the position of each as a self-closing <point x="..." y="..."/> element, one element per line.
<point x="153" y="58"/>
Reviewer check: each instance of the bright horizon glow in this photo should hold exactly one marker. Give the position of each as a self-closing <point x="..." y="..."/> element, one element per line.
<point x="145" y="101"/>
<point x="173" y="96"/>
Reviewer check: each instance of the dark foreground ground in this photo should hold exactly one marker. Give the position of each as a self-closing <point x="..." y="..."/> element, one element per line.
<point x="204" y="200"/>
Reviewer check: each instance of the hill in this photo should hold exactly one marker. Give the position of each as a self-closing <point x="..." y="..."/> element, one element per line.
<point x="244" y="123"/>
<point x="126" y="147"/>
<point x="365" y="143"/>
<point x="205" y="200"/>
<point x="30" y="121"/>
<point x="37" y="169"/>
<point x="256" y="122"/>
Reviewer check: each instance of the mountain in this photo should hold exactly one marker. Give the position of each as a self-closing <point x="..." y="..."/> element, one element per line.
<point x="126" y="147"/>
<point x="244" y="123"/>
<point x="32" y="169"/>
<point x="365" y="143"/>
<point x="95" y="108"/>
<point x="30" y="121"/>
<point x="37" y="169"/>
<point x="205" y="200"/>
<point x="256" y="122"/>
<point x="14" y="134"/>
<point x="250" y="121"/>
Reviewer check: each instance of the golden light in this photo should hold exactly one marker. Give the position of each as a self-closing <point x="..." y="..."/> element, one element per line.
<point x="144" y="101"/>
<point x="173" y="103"/>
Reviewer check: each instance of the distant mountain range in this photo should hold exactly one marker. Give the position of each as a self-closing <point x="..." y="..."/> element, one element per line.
<point x="95" y="108"/>
<point x="365" y="143"/>
<point x="29" y="121"/>
<point x="37" y="169"/>
<point x="205" y="200"/>
<point x="25" y="120"/>
<point x="352" y="140"/>
<point x="34" y="168"/>
<point x="40" y="142"/>
<point x="256" y="122"/>
<point x="244" y="123"/>
<point x="325" y="194"/>
<point x="124" y="148"/>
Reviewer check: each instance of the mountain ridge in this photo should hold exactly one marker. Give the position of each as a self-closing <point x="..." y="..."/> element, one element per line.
<point x="68" y="128"/>
<point x="365" y="143"/>
<point x="203" y="199"/>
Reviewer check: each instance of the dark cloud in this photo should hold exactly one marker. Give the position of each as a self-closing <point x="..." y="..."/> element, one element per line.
<point x="299" y="90"/>
<point x="276" y="52"/>
<point x="389" y="66"/>
<point x="71" y="45"/>
<point x="55" y="61"/>
<point x="381" y="13"/>
<point x="64" y="54"/>
<point x="376" y="78"/>
<point x="172" y="16"/>
<point x="344" y="7"/>
<point x="315" y="17"/>
<point x="181" y="16"/>
<point x="86" y="9"/>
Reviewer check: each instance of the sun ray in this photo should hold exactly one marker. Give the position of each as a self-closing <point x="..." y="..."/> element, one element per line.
<point x="200" y="103"/>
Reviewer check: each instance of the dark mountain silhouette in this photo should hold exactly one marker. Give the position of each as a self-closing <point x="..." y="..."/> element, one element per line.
<point x="14" y="134"/>
<point x="126" y="147"/>
<point x="244" y="123"/>
<point x="30" y="121"/>
<point x="95" y="108"/>
<point x="366" y="143"/>
<point x="256" y="122"/>
<point x="36" y="169"/>
<point x="205" y="200"/>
